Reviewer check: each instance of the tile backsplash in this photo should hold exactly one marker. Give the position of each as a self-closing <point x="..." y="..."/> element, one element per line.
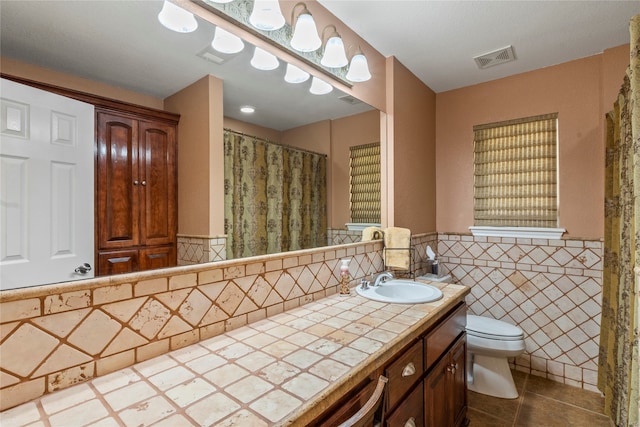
<point x="58" y="335"/>
<point x="552" y="289"/>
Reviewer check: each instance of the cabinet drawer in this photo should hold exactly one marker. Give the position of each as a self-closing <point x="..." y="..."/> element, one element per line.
<point x="438" y="340"/>
<point x="410" y="413"/>
<point x="403" y="373"/>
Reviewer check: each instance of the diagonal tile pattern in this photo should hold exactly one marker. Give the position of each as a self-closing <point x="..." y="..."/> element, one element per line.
<point x="257" y="375"/>
<point x="552" y="289"/>
<point x="58" y="339"/>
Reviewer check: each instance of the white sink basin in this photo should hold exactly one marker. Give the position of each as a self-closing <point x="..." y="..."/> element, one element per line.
<point x="401" y="291"/>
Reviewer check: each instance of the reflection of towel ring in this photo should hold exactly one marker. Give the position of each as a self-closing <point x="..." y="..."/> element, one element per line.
<point x="378" y="234"/>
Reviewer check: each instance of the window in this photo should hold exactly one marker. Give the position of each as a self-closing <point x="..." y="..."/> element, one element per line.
<point x="364" y="166"/>
<point x="515" y="173"/>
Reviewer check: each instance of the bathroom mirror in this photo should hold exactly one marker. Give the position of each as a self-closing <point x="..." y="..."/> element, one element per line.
<point x="123" y="44"/>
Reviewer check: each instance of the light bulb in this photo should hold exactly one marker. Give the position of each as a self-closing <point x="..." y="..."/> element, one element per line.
<point x="266" y="15"/>
<point x="359" y="69"/>
<point x="305" y="36"/>
<point x="320" y="87"/>
<point x="263" y="60"/>
<point x="295" y="74"/>
<point x="176" y="18"/>
<point x="334" y="56"/>
<point x="225" y="42"/>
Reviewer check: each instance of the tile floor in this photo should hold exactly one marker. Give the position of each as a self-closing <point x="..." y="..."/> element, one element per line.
<point x="542" y="403"/>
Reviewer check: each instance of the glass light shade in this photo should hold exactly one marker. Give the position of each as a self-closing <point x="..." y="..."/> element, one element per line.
<point x="334" y="55"/>
<point x="266" y="15"/>
<point x="176" y="18"/>
<point x="263" y="60"/>
<point x="320" y="87"/>
<point x="359" y="69"/>
<point x="305" y="36"/>
<point x="295" y="75"/>
<point x="225" y="42"/>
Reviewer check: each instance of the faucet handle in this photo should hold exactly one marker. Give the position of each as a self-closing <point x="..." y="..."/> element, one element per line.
<point x="364" y="284"/>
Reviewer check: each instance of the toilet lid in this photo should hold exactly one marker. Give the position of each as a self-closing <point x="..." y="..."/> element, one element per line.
<point x="491" y="328"/>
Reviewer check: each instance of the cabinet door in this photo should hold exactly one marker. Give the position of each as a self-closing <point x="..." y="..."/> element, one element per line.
<point x="436" y="401"/>
<point x="117" y="262"/>
<point x="157" y="183"/>
<point x="117" y="171"/>
<point x="410" y="413"/>
<point x="458" y="385"/>
<point x="445" y="389"/>
<point x="159" y="257"/>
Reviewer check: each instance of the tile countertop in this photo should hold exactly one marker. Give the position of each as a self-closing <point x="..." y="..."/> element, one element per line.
<point x="281" y="371"/>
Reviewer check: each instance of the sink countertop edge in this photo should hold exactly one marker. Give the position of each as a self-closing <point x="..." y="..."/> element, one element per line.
<point x="314" y="407"/>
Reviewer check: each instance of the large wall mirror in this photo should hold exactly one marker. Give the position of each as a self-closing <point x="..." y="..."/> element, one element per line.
<point x="122" y="44"/>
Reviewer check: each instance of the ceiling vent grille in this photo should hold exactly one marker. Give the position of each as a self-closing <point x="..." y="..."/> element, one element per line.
<point x="350" y="99"/>
<point x="496" y="57"/>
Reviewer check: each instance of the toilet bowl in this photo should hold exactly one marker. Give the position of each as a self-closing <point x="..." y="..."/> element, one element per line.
<point x="490" y="343"/>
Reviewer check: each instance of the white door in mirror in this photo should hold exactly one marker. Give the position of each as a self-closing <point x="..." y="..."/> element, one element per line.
<point x="46" y="187"/>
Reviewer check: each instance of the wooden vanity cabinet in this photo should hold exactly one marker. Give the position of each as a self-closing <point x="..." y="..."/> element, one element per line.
<point x="136" y="189"/>
<point x="427" y="381"/>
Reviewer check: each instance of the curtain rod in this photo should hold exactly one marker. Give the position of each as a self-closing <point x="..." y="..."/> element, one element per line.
<point x="274" y="142"/>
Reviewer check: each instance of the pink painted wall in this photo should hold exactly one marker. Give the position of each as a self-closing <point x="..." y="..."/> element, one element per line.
<point x="347" y="132"/>
<point x="413" y="144"/>
<point x="200" y="157"/>
<point x="576" y="91"/>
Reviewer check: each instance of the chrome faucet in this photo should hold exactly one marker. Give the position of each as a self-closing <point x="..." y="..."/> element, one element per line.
<point x="381" y="278"/>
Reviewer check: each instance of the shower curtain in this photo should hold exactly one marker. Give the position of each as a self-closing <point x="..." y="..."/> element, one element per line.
<point x="275" y="197"/>
<point x="618" y="368"/>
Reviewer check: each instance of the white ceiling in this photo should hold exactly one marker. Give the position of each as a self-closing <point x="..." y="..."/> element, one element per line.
<point x="121" y="43"/>
<point x="437" y="40"/>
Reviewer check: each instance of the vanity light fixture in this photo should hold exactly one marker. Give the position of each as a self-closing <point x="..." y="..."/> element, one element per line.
<point x="263" y="60"/>
<point x="334" y="55"/>
<point x="248" y="109"/>
<point x="305" y="33"/>
<point x="266" y="15"/>
<point x="358" y="68"/>
<point x="225" y="42"/>
<point x="320" y="87"/>
<point x="295" y="74"/>
<point x="176" y="18"/>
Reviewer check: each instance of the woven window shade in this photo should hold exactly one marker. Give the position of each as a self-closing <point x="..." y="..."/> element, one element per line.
<point x="364" y="168"/>
<point x="515" y="173"/>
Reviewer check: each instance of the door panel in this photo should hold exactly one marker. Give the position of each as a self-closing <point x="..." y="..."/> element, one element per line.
<point x="157" y="169"/>
<point x="47" y="186"/>
<point x="117" y="177"/>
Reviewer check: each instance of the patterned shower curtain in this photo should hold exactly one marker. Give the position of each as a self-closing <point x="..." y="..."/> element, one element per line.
<point x="275" y="197"/>
<point x="618" y="368"/>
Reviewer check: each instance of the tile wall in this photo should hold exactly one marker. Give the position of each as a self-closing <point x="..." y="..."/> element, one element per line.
<point x="552" y="289"/>
<point x="58" y="335"/>
<point x="199" y="249"/>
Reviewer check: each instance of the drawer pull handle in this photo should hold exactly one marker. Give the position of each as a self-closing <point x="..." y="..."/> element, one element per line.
<point x="411" y="422"/>
<point x="452" y="368"/>
<point x="409" y="370"/>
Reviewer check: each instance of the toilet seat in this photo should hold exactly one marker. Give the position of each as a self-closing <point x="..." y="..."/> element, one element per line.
<point x="492" y="329"/>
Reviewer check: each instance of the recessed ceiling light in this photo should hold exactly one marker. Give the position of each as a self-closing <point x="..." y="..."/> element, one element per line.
<point x="248" y="109"/>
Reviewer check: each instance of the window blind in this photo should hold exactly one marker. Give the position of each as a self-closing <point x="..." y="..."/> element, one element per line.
<point x="515" y="173"/>
<point x="364" y="166"/>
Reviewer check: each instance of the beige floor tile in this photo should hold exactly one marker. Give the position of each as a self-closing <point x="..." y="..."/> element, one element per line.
<point x="539" y="411"/>
<point x="565" y="393"/>
<point x="481" y="419"/>
<point x="503" y="409"/>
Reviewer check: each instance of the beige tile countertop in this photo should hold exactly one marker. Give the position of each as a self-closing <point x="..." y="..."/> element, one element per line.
<point x="280" y="371"/>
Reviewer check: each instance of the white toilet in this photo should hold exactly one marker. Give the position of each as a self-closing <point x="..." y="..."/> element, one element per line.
<point x="490" y="343"/>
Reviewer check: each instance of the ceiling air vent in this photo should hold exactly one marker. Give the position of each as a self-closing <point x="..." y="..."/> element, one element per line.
<point x="496" y="57"/>
<point x="350" y="100"/>
<point x="208" y="55"/>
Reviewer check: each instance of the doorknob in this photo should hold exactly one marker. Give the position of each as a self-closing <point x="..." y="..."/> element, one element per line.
<point x="83" y="269"/>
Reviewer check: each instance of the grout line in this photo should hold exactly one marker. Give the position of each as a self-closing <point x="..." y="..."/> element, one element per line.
<point x="521" y="400"/>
